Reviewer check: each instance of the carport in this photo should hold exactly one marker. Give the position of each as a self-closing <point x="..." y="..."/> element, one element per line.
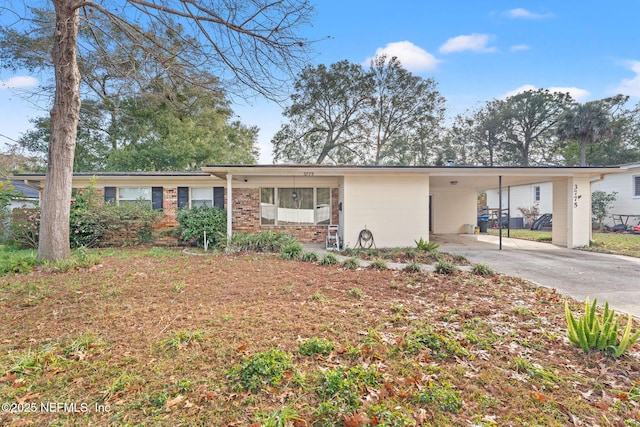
<point x="454" y="194"/>
<point x="401" y="204"/>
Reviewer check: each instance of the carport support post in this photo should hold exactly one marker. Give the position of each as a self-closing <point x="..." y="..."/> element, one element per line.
<point x="500" y="208"/>
<point x="229" y="210"/>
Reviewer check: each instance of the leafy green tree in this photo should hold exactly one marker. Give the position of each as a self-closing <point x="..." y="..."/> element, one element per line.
<point x="475" y="136"/>
<point x="601" y="203"/>
<point x="326" y="112"/>
<point x="517" y="131"/>
<point x="344" y="114"/>
<point x="404" y="109"/>
<point x="591" y="123"/>
<point x="92" y="146"/>
<point x="251" y="44"/>
<point x="529" y="121"/>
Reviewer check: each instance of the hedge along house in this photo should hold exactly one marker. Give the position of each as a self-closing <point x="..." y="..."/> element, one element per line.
<point x="397" y="204"/>
<point x="166" y="191"/>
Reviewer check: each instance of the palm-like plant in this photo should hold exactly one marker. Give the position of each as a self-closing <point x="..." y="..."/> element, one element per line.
<point x="590" y="123"/>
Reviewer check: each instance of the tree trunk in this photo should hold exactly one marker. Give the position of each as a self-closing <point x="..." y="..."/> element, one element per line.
<point x="583" y="153"/>
<point x="56" y="200"/>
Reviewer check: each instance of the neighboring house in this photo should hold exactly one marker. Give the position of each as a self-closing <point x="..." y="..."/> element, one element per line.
<point x="398" y="205"/>
<point x="31" y="196"/>
<point x="539" y="194"/>
<point x="626" y="183"/>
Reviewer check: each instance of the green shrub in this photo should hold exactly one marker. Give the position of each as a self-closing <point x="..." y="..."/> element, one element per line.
<point x="444" y="267"/>
<point x="412" y="267"/>
<point x="593" y="332"/>
<point x="86" y="222"/>
<point x="128" y="223"/>
<point x="195" y="222"/>
<point x="266" y="241"/>
<point x="423" y="245"/>
<point x="378" y="265"/>
<point x="309" y="257"/>
<point x="24" y="228"/>
<point x="329" y="259"/>
<point x="482" y="270"/>
<point x="91" y="222"/>
<point x="316" y="345"/>
<point x="291" y="250"/>
<point x="351" y="263"/>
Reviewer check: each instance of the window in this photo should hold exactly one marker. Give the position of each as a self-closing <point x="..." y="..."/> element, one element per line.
<point x="132" y="194"/>
<point x="536" y="193"/>
<point x="295" y="206"/>
<point x="150" y="195"/>
<point x="194" y="197"/>
<point x="201" y="197"/>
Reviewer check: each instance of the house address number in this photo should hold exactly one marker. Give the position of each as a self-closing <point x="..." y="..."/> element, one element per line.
<point x="308" y="173"/>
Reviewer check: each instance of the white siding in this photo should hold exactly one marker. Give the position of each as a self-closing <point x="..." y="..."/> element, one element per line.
<point x="627" y="203"/>
<point x="393" y="207"/>
<point x="523" y="196"/>
<point x="453" y="208"/>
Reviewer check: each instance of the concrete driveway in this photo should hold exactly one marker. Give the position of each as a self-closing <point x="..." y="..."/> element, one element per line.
<point x="612" y="278"/>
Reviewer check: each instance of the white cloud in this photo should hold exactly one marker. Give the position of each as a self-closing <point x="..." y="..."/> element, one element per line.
<point x="631" y="86"/>
<point x="473" y="42"/>
<point x="18" y="82"/>
<point x="519" y="47"/>
<point x="520" y="13"/>
<point x="412" y="57"/>
<point x="578" y="94"/>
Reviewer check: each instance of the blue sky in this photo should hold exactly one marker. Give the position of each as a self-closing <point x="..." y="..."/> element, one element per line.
<point x="475" y="50"/>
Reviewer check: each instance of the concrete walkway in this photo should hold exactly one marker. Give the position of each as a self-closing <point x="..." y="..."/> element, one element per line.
<point x="576" y="273"/>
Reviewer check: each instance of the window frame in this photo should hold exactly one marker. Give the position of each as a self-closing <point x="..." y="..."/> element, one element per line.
<point x="112" y="194"/>
<point x="217" y="197"/>
<point x="537" y="193"/>
<point x="275" y="206"/>
<point x="635" y="186"/>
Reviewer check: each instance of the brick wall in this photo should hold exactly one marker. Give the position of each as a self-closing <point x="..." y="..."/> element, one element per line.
<point x="246" y="209"/>
<point x="246" y="217"/>
<point x="170" y="208"/>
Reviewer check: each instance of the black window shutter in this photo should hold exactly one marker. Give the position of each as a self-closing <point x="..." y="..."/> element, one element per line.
<point x="156" y="197"/>
<point x="183" y="197"/>
<point x="109" y="194"/>
<point x="637" y="186"/>
<point x="218" y="197"/>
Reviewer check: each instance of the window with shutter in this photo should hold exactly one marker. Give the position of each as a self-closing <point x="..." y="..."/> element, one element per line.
<point x="109" y="194"/>
<point x="183" y="197"/>
<point x="156" y="197"/>
<point x="218" y="197"/>
<point x="636" y="186"/>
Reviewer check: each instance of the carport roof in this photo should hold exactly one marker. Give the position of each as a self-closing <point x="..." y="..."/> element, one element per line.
<point x="477" y="177"/>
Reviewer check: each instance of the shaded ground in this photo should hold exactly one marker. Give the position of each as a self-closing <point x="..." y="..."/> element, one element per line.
<point x="152" y="337"/>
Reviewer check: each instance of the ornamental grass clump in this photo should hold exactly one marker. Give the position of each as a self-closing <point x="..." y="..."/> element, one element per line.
<point x="594" y="332"/>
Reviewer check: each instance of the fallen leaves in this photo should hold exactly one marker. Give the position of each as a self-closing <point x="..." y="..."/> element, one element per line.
<point x="240" y="303"/>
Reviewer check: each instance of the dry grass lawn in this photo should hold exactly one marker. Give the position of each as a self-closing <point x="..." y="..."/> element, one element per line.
<point x="154" y="337"/>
